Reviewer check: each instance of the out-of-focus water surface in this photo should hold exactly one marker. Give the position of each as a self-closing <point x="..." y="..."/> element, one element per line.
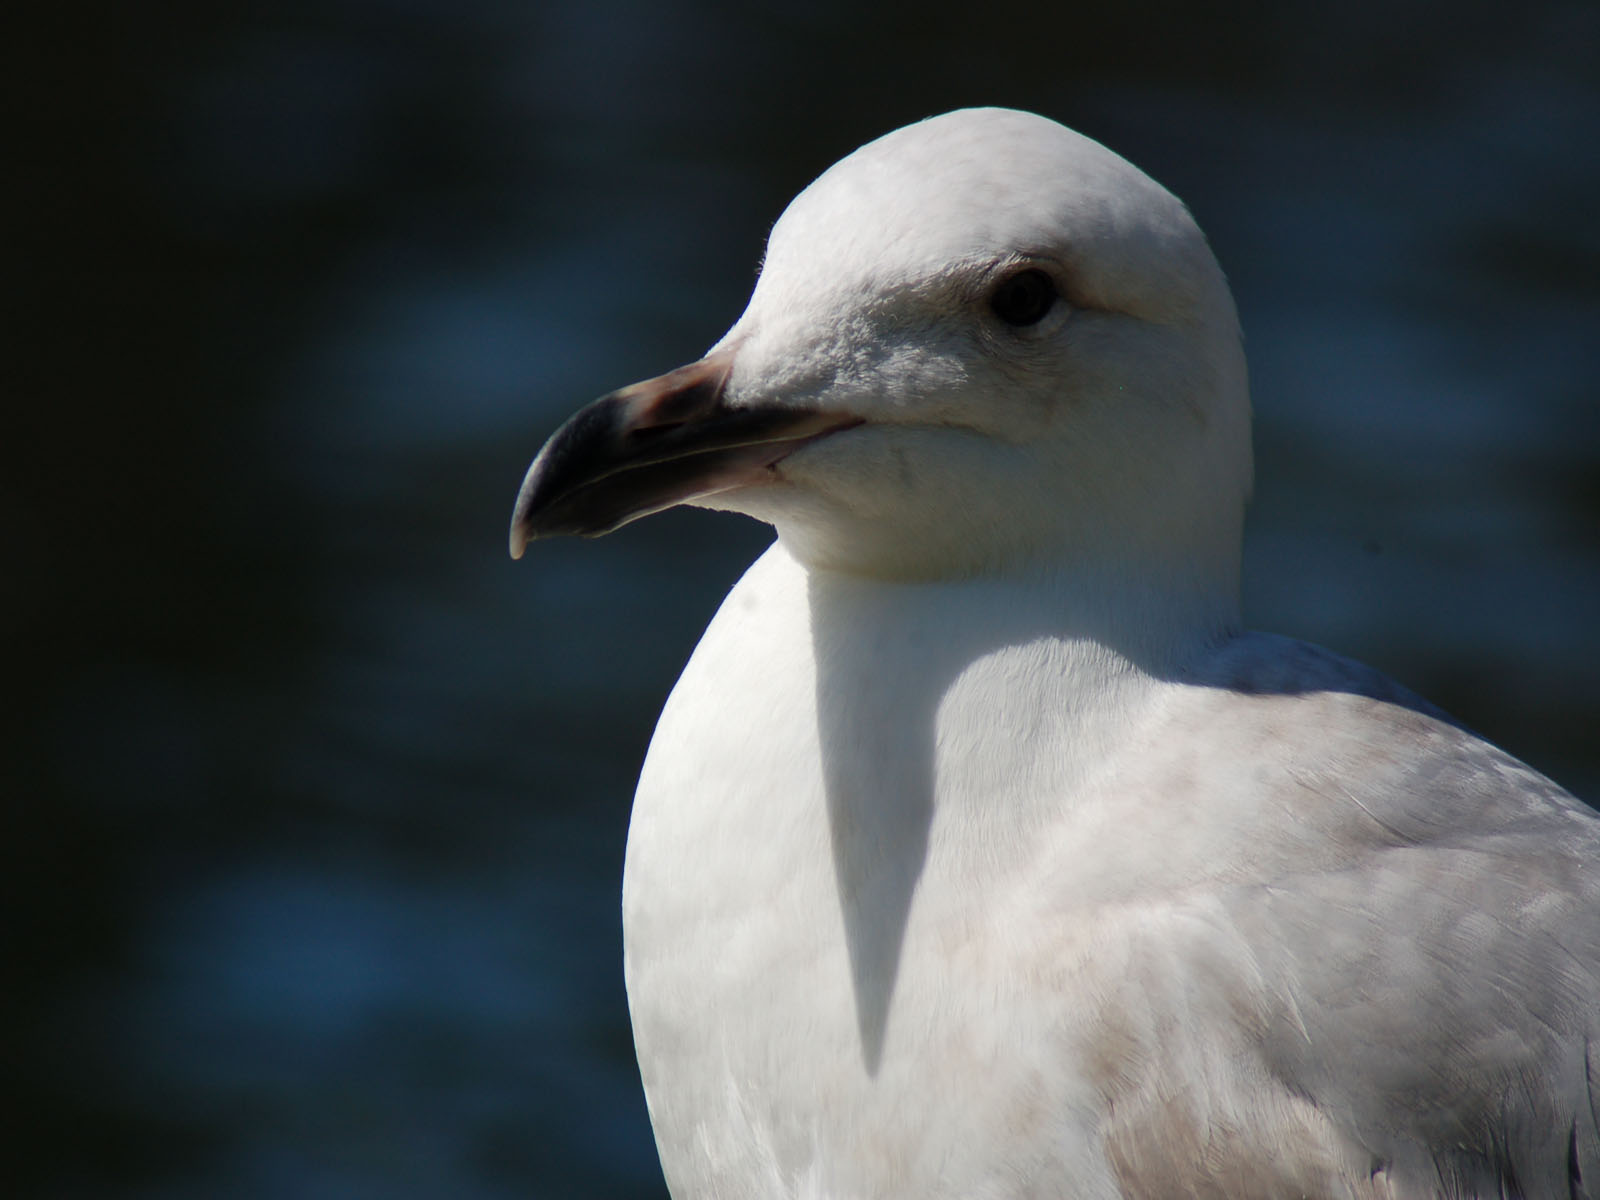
<point x="317" y="801"/>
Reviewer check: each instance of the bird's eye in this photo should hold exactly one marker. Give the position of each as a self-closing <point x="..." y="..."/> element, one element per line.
<point x="1024" y="298"/>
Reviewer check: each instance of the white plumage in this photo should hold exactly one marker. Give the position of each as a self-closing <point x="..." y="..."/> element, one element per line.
<point x="978" y="852"/>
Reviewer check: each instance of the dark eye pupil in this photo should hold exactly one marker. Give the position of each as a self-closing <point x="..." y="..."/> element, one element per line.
<point x="1023" y="298"/>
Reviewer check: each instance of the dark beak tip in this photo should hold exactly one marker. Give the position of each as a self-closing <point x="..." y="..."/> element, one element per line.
<point x="633" y="452"/>
<point x="522" y="521"/>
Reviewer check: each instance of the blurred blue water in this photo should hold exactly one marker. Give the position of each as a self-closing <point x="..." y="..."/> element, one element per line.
<point x="344" y="819"/>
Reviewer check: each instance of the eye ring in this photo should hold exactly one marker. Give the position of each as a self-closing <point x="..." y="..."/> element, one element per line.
<point x="1024" y="297"/>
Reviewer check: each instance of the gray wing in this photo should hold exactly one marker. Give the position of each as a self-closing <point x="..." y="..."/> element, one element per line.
<point x="1443" y="973"/>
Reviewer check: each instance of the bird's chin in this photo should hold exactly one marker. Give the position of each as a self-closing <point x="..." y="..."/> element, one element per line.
<point x="770" y="490"/>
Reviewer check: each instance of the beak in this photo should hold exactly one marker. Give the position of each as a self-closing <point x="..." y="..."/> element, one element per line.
<point x="655" y="444"/>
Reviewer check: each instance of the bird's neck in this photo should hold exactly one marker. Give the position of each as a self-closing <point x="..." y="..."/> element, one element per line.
<point x="960" y="724"/>
<point x="1120" y="615"/>
<point x="923" y="672"/>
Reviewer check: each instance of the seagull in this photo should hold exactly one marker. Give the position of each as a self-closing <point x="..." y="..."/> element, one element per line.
<point x="980" y="851"/>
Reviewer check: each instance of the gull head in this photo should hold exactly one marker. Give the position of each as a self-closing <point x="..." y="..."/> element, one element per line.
<point x="980" y="344"/>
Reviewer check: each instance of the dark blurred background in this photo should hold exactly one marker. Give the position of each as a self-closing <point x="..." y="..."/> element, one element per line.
<point x="315" y="802"/>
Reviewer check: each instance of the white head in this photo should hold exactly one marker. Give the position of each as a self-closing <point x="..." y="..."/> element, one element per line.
<point x="999" y="347"/>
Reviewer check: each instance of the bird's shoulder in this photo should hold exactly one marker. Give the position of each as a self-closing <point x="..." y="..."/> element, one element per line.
<point x="1400" y="919"/>
<point x="1302" y="725"/>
